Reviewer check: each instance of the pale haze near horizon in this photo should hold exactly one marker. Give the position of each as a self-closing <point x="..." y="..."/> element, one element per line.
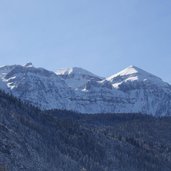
<point x="103" y="37"/>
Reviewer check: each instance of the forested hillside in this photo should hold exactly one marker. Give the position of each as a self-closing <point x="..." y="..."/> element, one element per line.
<point x="32" y="140"/>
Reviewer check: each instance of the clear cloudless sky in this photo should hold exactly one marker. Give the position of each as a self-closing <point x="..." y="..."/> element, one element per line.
<point x="103" y="36"/>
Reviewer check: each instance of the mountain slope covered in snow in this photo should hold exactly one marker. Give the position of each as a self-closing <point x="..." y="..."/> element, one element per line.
<point x="132" y="90"/>
<point x="76" y="77"/>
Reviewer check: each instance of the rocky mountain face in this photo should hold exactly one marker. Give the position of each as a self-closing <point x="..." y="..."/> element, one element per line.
<point x="129" y="91"/>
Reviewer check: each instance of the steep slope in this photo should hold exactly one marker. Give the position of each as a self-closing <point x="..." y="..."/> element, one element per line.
<point x="22" y="143"/>
<point x="4" y="70"/>
<point x="76" y="77"/>
<point x="61" y="140"/>
<point x="32" y="140"/>
<point x="135" y="74"/>
<point x="38" y="86"/>
<point x="130" y="91"/>
<point x="147" y="93"/>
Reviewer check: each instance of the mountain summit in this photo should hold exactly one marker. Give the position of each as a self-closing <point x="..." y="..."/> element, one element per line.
<point x="135" y="74"/>
<point x="76" y="77"/>
<point x="132" y="90"/>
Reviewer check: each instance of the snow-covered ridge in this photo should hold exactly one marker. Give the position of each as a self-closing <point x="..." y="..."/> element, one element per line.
<point x="73" y="70"/>
<point x="132" y="90"/>
<point x="76" y="77"/>
<point x="133" y="73"/>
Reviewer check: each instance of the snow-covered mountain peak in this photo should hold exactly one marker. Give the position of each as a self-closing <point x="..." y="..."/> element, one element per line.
<point x="73" y="71"/>
<point x="131" y="71"/>
<point x="135" y="74"/>
<point x="76" y="77"/>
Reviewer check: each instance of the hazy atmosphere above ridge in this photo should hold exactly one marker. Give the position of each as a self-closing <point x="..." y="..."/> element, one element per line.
<point x="102" y="37"/>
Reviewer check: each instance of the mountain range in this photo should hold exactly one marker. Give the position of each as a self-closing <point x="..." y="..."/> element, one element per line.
<point x="132" y="90"/>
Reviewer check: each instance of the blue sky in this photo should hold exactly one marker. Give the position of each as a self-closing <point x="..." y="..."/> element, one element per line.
<point x="101" y="36"/>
